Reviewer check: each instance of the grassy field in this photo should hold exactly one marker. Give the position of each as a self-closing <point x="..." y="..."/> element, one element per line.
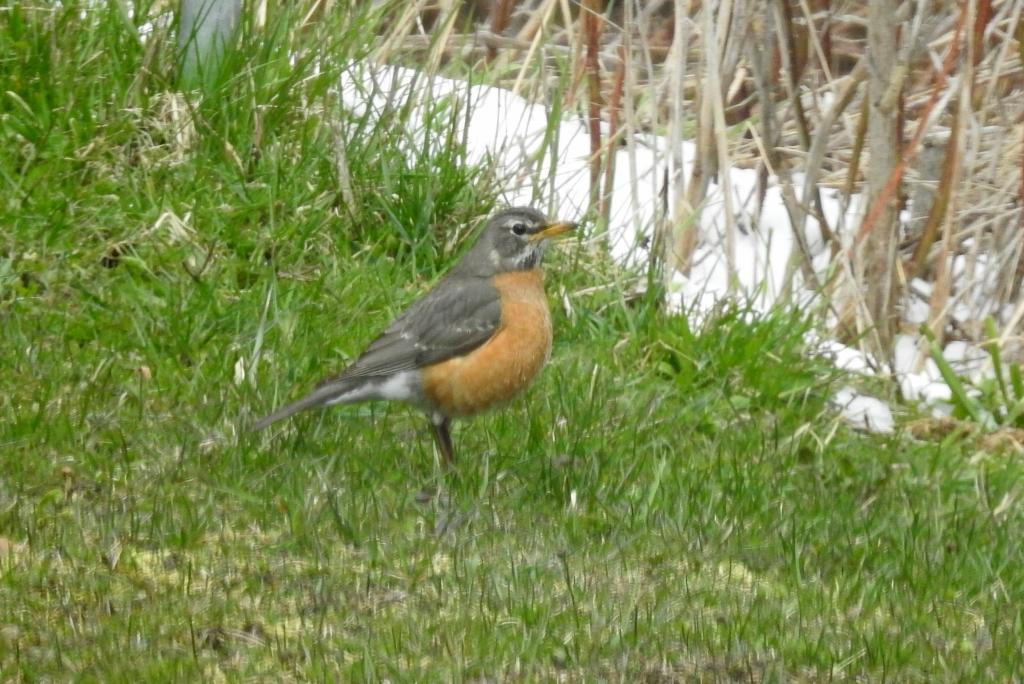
<point x="673" y="500"/>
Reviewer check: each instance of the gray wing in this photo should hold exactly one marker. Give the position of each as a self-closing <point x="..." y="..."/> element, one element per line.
<point x="453" y="319"/>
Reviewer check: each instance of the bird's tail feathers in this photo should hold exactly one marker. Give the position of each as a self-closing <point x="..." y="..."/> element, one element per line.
<point x="321" y="396"/>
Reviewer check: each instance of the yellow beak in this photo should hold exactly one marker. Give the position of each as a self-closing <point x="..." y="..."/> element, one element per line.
<point x="551" y="230"/>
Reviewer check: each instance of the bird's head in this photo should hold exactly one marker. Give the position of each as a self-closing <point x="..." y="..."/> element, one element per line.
<point x="513" y="240"/>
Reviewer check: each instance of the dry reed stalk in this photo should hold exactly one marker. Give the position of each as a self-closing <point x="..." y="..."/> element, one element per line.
<point x="501" y="14"/>
<point x="1019" y="271"/>
<point x="819" y="46"/>
<point x="567" y="22"/>
<point x="842" y="97"/>
<point x="875" y="258"/>
<point x="703" y="166"/>
<point x="787" y="50"/>
<point x="713" y="92"/>
<point x="816" y="154"/>
<point x="760" y="50"/>
<point x="1003" y="54"/>
<point x="979" y="14"/>
<point x="948" y="183"/>
<point x="632" y="95"/>
<point x="478" y="42"/>
<point x="939" y="303"/>
<point x="859" y="137"/>
<point x="544" y="17"/>
<point x="591" y="25"/>
<point x="816" y="147"/>
<point x="536" y="19"/>
<point x="1018" y="313"/>
<point x="815" y="160"/>
<point x="800" y="257"/>
<point x="604" y="206"/>
<point x="449" y="15"/>
<point x="677" y="235"/>
<point x="943" y="195"/>
<point x="405" y="23"/>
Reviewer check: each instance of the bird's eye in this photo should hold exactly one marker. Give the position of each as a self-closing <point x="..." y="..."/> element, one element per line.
<point x="519" y="228"/>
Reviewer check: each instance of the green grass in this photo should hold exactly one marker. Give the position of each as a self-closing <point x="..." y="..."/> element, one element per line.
<point x="672" y="501"/>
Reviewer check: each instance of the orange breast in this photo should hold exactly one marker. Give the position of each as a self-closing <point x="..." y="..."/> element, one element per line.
<point x="503" y="366"/>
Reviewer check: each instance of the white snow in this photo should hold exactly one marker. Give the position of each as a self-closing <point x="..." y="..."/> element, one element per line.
<point x="864" y="412"/>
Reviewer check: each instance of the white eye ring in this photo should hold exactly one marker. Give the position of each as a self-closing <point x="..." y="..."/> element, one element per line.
<point x="519" y="228"/>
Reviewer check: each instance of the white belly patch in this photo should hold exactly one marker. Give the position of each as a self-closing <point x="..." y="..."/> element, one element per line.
<point x="402" y="386"/>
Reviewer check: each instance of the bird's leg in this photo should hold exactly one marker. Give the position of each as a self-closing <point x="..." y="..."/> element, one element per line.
<point x="443" y="437"/>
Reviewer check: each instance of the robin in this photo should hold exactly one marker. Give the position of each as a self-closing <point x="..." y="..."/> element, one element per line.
<point x="473" y="342"/>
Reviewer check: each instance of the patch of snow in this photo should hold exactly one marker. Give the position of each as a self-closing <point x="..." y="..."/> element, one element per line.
<point x="864" y="412"/>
